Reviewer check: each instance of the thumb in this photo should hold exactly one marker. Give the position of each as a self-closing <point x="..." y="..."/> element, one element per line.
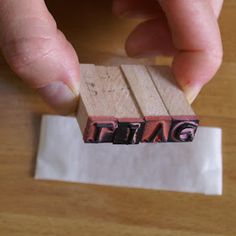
<point x="39" y="53"/>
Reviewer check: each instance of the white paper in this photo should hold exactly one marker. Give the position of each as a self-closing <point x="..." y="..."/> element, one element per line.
<point x="188" y="167"/>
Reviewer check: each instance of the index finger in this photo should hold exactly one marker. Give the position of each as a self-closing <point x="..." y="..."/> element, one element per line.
<point x="196" y="35"/>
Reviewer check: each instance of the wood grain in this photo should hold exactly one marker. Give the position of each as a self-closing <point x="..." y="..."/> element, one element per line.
<point x="29" y="207"/>
<point x="107" y="111"/>
<point x="131" y="104"/>
<point x="173" y="98"/>
<point x="118" y="96"/>
<point x="157" y="119"/>
<point x="144" y="91"/>
<point x="184" y="121"/>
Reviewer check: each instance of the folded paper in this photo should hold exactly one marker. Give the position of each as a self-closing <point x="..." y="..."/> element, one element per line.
<point x="188" y="167"/>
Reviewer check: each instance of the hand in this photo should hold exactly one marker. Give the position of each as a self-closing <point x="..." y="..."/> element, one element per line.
<point x="39" y="53"/>
<point x="185" y="29"/>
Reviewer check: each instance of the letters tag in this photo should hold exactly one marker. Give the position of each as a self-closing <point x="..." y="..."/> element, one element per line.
<point x="100" y="131"/>
<point x="183" y="131"/>
<point x="128" y="133"/>
<point x="156" y="130"/>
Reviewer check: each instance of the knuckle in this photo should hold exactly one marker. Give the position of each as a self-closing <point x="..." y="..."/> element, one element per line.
<point x="23" y="53"/>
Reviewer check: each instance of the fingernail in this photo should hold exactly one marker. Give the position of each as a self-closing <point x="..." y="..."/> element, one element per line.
<point x="191" y="93"/>
<point x="59" y="96"/>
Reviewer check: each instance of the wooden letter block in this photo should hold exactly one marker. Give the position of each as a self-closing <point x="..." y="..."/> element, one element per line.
<point x="100" y="130"/>
<point x="156" y="129"/>
<point x="184" y="122"/>
<point x="183" y="130"/>
<point x="157" y="119"/>
<point x="131" y="104"/>
<point x="129" y="131"/>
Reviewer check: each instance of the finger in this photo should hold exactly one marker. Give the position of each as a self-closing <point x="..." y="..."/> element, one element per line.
<point x="196" y="35"/>
<point x="216" y="6"/>
<point x="38" y="52"/>
<point x="151" y="38"/>
<point x="136" y="8"/>
<point x="149" y="8"/>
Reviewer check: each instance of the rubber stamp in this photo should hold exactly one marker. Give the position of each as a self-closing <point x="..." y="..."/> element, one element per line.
<point x="129" y="104"/>
<point x="184" y="121"/>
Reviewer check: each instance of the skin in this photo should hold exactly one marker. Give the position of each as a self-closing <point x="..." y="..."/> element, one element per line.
<point x="40" y="54"/>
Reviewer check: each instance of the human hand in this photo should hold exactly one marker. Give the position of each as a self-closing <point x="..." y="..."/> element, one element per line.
<point x="185" y="29"/>
<point x="39" y="53"/>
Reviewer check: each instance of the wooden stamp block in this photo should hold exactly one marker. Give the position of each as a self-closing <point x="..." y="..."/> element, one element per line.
<point x="156" y="129"/>
<point x="129" y="131"/>
<point x="100" y="130"/>
<point x="157" y="118"/>
<point x="183" y="129"/>
<point x="104" y="106"/>
<point x="184" y="121"/>
<point x="131" y="104"/>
